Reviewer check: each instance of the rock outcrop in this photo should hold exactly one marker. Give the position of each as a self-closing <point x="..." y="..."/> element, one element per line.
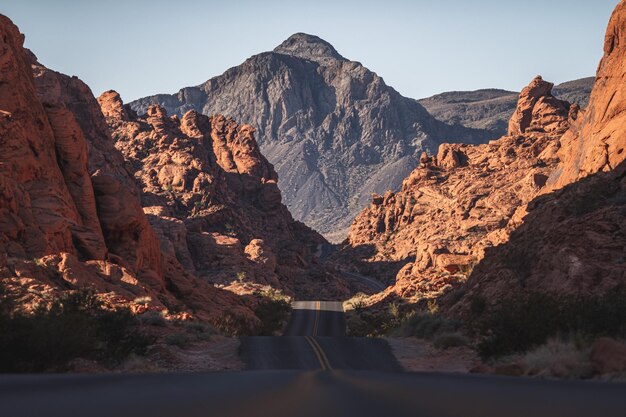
<point x="456" y="205"/>
<point x="491" y="109"/>
<point x="70" y="214"/>
<point x="597" y="142"/>
<point x="573" y="238"/>
<point x="214" y="201"/>
<point x="571" y="242"/>
<point x="541" y="209"/>
<point x="333" y="129"/>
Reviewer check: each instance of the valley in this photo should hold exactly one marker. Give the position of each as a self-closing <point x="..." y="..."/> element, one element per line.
<point x="295" y="236"/>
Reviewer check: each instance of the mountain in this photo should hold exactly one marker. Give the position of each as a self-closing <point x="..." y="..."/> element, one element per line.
<point x="70" y="214"/>
<point x="490" y="109"/>
<point x="428" y="235"/>
<point x="540" y="210"/>
<point x="573" y="238"/>
<point x="333" y="129"/>
<point x="213" y="200"/>
<point x="184" y="220"/>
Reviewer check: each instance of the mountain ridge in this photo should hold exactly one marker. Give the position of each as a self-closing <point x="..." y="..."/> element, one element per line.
<point x="332" y="128"/>
<point x="491" y="108"/>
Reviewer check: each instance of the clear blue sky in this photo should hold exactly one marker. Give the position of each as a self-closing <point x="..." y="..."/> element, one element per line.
<point x="420" y="47"/>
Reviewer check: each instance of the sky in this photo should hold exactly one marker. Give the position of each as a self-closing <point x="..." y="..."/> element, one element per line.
<point x="419" y="47"/>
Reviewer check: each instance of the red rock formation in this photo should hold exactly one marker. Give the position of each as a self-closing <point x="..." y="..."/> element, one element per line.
<point x="46" y="207"/>
<point x="214" y="200"/>
<point x="571" y="242"/>
<point x="573" y="239"/>
<point x="490" y="213"/>
<point x="452" y="207"/>
<point x="70" y="214"/>
<point x="596" y="141"/>
<point x="538" y="110"/>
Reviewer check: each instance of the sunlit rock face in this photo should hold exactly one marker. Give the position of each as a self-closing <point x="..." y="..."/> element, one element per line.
<point x="213" y="199"/>
<point x="333" y="129"/>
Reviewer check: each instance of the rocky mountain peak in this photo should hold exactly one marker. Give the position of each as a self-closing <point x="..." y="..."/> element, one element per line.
<point x="309" y="47"/>
<point x="333" y="129"/>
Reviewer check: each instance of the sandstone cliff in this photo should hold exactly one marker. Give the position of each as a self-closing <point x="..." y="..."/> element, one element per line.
<point x="214" y="201"/>
<point x="596" y="142"/>
<point x="541" y="209"/>
<point x="464" y="200"/>
<point x="70" y="214"/>
<point x="333" y="129"/>
<point x="574" y="236"/>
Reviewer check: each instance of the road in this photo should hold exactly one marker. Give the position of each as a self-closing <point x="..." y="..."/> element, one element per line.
<point x="370" y="282"/>
<point x="313" y="370"/>
<point x="315" y="338"/>
<point x="304" y="394"/>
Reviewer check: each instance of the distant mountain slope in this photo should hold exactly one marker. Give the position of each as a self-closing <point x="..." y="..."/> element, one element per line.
<point x="333" y="129"/>
<point x="491" y="109"/>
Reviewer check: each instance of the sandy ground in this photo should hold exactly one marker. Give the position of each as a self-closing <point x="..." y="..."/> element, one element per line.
<point x="218" y="354"/>
<point x="420" y="356"/>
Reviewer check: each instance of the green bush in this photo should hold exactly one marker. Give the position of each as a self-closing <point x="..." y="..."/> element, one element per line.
<point x="526" y="321"/>
<point x="273" y="314"/>
<point x="425" y="326"/>
<point x="76" y="325"/>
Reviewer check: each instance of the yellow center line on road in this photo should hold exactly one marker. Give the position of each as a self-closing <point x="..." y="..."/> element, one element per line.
<point x="319" y="352"/>
<point x="317" y="318"/>
<point x="317" y="349"/>
<point x="322" y="353"/>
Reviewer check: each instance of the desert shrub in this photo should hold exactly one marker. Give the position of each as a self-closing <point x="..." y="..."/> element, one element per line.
<point x="233" y="324"/>
<point x="424" y="325"/>
<point x="153" y="318"/>
<point x="448" y="340"/>
<point x="274" y="294"/>
<point x="177" y="339"/>
<point x="559" y="357"/>
<point x="362" y="322"/>
<point x="74" y="325"/>
<point x="273" y="313"/>
<point x="357" y="302"/>
<point x="200" y="331"/>
<point x="526" y="321"/>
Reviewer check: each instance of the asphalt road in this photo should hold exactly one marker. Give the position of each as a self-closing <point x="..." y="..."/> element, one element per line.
<point x="315" y="338"/>
<point x="304" y="394"/>
<point x="370" y="282"/>
<point x="314" y="370"/>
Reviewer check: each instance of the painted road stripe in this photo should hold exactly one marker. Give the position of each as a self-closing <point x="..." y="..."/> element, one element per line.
<point x="317" y="318"/>
<point x="317" y="353"/>
<point x="322" y="353"/>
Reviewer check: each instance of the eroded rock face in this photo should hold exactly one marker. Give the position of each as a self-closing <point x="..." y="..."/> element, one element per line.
<point x="573" y="238"/>
<point x="70" y="214"/>
<point x="537" y="210"/>
<point x="333" y="129"/>
<point x="456" y="205"/>
<point x="48" y="205"/>
<point x="571" y="242"/>
<point x="214" y="200"/>
<point x="538" y="110"/>
<point x="596" y="141"/>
